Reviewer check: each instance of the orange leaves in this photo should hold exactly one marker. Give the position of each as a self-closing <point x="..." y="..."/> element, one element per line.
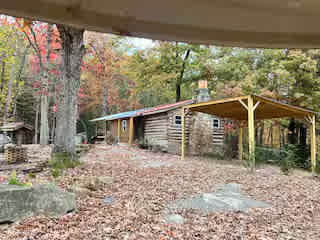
<point x="26" y="24"/>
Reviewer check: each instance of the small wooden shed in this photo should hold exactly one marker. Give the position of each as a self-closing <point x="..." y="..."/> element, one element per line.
<point x="19" y="132"/>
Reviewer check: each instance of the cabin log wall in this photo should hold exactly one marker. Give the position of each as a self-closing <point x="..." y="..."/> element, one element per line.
<point x="156" y="130"/>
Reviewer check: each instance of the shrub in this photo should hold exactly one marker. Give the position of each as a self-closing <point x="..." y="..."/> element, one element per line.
<point x="143" y="143"/>
<point x="288" y="158"/>
<point x="32" y="175"/>
<point x="13" y="180"/>
<point x="62" y="161"/>
<point x="55" y="172"/>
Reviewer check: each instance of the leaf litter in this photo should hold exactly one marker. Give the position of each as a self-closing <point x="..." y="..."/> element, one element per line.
<point x="143" y="193"/>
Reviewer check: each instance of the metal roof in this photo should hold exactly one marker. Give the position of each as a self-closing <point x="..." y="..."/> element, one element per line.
<point x="167" y="107"/>
<point x="144" y="111"/>
<point x="119" y="115"/>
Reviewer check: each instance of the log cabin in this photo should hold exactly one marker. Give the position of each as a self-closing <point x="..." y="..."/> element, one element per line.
<point x="160" y="127"/>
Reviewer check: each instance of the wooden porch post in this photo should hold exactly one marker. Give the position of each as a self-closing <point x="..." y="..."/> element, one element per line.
<point x="131" y="129"/>
<point x="183" y="136"/>
<point x="119" y="130"/>
<point x="251" y="132"/>
<point x="240" y="142"/>
<point x="105" y="131"/>
<point x="313" y="144"/>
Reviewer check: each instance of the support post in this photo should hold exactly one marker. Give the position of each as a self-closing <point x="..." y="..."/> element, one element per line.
<point x="313" y="143"/>
<point x="183" y="135"/>
<point x="119" y="130"/>
<point x="251" y="132"/>
<point x="131" y="128"/>
<point x="105" y="131"/>
<point x="240" y="142"/>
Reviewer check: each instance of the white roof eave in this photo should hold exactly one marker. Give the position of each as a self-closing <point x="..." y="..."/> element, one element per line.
<point x="242" y="23"/>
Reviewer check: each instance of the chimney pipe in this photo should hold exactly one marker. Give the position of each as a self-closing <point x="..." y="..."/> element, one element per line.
<point x="203" y="91"/>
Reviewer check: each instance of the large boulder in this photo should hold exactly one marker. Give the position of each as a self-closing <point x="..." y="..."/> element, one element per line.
<point x="18" y="202"/>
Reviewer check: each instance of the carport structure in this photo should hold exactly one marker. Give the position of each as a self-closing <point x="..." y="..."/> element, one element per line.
<point x="248" y="109"/>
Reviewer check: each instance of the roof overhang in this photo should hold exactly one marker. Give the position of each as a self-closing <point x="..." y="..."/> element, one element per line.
<point x="265" y="108"/>
<point x="246" y="23"/>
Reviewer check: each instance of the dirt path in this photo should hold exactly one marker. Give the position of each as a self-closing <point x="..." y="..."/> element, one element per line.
<point x="141" y="190"/>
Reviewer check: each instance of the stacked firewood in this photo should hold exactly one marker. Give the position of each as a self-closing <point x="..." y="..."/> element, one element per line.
<point x="15" y="154"/>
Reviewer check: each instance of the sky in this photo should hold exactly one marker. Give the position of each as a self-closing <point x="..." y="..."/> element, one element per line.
<point x="141" y="43"/>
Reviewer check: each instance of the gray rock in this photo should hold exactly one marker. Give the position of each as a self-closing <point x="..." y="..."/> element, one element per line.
<point x="226" y="198"/>
<point x="174" y="219"/>
<point x="156" y="164"/>
<point x="108" y="200"/>
<point x="17" y="202"/>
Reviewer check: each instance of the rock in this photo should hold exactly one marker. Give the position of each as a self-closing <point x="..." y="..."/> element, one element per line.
<point x="108" y="200"/>
<point x="174" y="219"/>
<point x="227" y="198"/>
<point x="18" y="202"/>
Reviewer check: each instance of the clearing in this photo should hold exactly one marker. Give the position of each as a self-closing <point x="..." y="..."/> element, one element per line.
<point x="144" y="184"/>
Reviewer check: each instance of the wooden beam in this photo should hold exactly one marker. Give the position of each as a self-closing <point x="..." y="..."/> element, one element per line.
<point x="251" y="133"/>
<point x="313" y="144"/>
<point x="105" y="130"/>
<point x="289" y="108"/>
<point x="119" y="130"/>
<point x="183" y="136"/>
<point x="235" y="99"/>
<point x="131" y="130"/>
<point x="243" y="104"/>
<point x="240" y="142"/>
<point x="256" y="105"/>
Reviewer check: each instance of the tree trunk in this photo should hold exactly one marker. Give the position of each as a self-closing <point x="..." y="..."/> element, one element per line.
<point x="8" y="102"/>
<point x="292" y="136"/>
<point x="72" y="53"/>
<point x="17" y="92"/>
<point x="3" y="69"/>
<point x="44" y="125"/>
<point x="179" y="82"/>
<point x="36" y="124"/>
<point x="261" y="133"/>
<point x="53" y="127"/>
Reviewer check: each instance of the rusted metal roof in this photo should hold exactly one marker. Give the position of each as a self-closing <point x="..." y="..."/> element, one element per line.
<point x="167" y="107"/>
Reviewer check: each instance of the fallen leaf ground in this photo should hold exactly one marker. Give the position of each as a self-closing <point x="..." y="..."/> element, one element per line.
<point x="141" y="193"/>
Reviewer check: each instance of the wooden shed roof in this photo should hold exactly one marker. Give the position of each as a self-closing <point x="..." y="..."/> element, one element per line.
<point x="235" y="108"/>
<point x="14" y="126"/>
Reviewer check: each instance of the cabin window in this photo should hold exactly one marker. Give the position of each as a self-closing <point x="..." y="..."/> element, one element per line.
<point x="216" y="123"/>
<point x="178" y="120"/>
<point x="124" y="125"/>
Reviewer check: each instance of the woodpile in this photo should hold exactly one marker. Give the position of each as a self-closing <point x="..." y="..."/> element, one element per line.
<point x="15" y="154"/>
